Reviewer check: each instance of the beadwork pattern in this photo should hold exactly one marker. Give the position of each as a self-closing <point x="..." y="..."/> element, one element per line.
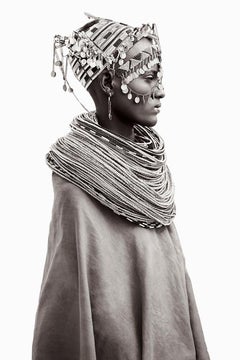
<point x="130" y="177"/>
<point x="105" y="43"/>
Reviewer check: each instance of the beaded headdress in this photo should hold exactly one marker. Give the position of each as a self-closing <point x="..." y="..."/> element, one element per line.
<point x="104" y="44"/>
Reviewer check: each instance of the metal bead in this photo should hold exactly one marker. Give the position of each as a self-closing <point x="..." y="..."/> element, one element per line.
<point x="58" y="63"/>
<point x="65" y="87"/>
<point x="98" y="63"/>
<point x="137" y="99"/>
<point x="124" y="88"/>
<point x="131" y="77"/>
<point x="129" y="96"/>
<point x="53" y="74"/>
<point x="121" y="62"/>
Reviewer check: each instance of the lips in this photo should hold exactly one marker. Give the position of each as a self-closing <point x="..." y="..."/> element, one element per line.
<point x="156" y="108"/>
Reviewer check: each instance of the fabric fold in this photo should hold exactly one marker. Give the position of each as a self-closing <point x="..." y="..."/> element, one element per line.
<point x="112" y="289"/>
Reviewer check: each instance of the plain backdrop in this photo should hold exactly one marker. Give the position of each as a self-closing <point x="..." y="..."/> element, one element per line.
<point x="199" y="122"/>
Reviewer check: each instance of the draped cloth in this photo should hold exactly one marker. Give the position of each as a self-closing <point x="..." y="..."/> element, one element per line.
<point x="112" y="290"/>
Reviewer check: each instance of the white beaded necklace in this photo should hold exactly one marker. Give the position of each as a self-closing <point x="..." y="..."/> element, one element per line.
<point x="130" y="177"/>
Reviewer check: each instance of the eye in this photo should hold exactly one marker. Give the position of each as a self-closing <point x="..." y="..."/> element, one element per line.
<point x="149" y="77"/>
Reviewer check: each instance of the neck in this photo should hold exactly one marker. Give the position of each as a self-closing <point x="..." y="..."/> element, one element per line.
<point x="116" y="125"/>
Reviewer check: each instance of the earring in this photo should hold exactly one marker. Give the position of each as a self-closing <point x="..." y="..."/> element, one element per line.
<point x="65" y="74"/>
<point x="109" y="106"/>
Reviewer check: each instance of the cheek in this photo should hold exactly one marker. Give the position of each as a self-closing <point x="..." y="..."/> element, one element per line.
<point x="125" y="107"/>
<point x="121" y="103"/>
<point x="140" y="86"/>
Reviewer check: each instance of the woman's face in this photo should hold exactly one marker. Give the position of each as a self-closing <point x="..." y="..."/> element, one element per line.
<point x="143" y="113"/>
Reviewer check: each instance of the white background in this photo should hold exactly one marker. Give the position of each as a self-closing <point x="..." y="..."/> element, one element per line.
<point x="198" y="121"/>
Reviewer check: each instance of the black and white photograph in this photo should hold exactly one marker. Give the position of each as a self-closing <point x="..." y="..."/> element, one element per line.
<point x="120" y="180"/>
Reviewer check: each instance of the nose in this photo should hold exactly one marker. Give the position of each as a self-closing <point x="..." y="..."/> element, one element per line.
<point x="158" y="91"/>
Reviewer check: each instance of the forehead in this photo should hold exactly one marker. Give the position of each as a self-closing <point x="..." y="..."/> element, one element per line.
<point x="141" y="57"/>
<point x="137" y="48"/>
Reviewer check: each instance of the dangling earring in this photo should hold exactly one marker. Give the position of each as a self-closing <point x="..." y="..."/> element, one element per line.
<point x="65" y="74"/>
<point x="109" y="106"/>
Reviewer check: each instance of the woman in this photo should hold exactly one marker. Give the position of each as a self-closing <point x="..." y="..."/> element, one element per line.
<point x="115" y="284"/>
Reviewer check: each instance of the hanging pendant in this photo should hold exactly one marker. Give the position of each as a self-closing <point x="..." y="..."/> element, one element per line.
<point x="137" y="99"/>
<point x="109" y="107"/>
<point x="129" y="96"/>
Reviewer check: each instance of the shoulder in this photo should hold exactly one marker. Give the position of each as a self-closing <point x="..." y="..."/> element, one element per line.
<point x="71" y="203"/>
<point x="62" y="186"/>
<point x="66" y="193"/>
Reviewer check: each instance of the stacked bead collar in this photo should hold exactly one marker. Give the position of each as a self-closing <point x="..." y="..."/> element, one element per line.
<point x="130" y="177"/>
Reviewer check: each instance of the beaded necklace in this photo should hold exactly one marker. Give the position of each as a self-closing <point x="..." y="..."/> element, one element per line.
<point x="130" y="177"/>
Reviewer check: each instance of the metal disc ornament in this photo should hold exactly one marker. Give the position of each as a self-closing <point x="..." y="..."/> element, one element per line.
<point x="124" y="88"/>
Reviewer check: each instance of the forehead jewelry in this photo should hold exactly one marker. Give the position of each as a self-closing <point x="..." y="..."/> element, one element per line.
<point x="138" y="66"/>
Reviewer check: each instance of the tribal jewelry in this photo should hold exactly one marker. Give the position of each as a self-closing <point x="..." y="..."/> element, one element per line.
<point x="104" y="44"/>
<point x="130" y="177"/>
<point x="138" y="66"/>
<point x="109" y="106"/>
<point x="137" y="97"/>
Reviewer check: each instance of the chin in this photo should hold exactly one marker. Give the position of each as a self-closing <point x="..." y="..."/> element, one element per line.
<point x="149" y="120"/>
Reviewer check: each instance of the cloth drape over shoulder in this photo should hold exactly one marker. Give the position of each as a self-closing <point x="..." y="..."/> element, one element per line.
<point x="113" y="290"/>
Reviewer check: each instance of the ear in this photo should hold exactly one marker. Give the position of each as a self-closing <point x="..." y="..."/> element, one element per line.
<point x="106" y="81"/>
